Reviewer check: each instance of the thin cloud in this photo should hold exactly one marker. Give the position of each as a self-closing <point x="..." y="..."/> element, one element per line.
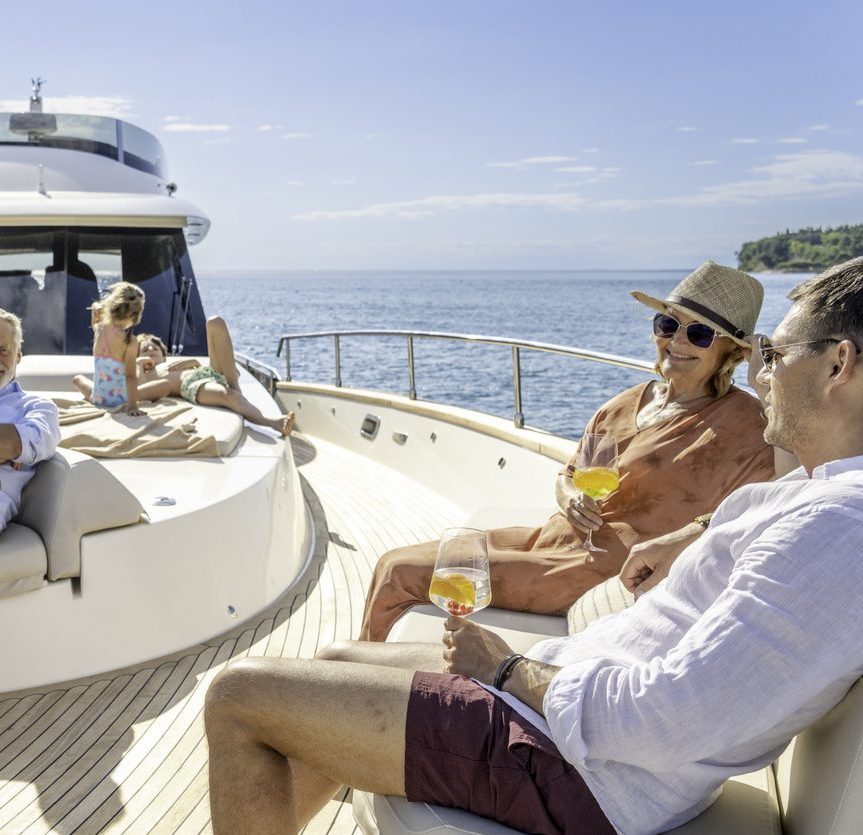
<point x="294" y="183"/>
<point x="296" y="135"/>
<point x="687" y="129"/>
<point x="527" y="162"/>
<point x="576" y="169"/>
<point x="859" y="102"/>
<point x="428" y="206"/>
<point x="264" y="128"/>
<point x="115" y="107"/>
<point x="812" y="174"/>
<point x="590" y="150"/>
<point x="745" y="141"/>
<point x="819" y="127"/>
<point x="704" y="162"/>
<point x="348" y="181"/>
<point x="792" y="140"/>
<point x="192" y="127"/>
<point x="805" y="175"/>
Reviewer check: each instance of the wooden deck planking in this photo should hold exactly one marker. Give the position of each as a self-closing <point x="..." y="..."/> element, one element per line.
<point x="126" y="753"/>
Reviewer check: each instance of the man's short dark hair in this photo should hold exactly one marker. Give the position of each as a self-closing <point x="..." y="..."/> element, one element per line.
<point x="833" y="302"/>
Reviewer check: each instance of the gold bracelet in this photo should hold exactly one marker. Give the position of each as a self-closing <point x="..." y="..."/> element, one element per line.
<point x="703" y="520"/>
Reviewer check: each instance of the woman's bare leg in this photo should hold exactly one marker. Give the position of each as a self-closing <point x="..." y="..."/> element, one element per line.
<point x="213" y="394"/>
<point x="84" y="385"/>
<point x="285" y="734"/>
<point x="220" y="350"/>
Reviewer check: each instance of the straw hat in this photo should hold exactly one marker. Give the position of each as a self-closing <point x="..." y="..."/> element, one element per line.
<point x="726" y="299"/>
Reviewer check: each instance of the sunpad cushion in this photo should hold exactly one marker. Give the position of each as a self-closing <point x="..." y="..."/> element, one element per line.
<point x="169" y="427"/>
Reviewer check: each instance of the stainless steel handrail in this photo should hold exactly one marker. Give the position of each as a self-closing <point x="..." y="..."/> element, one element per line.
<point x="516" y="345"/>
<point x="263" y="373"/>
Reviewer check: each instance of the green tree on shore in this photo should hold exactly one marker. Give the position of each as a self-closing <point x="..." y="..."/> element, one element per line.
<point x="806" y="250"/>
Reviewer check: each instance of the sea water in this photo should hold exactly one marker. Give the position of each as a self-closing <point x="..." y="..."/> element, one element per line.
<point x="584" y="309"/>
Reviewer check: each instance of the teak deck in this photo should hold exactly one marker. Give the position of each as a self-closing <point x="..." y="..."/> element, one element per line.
<point x="125" y="751"/>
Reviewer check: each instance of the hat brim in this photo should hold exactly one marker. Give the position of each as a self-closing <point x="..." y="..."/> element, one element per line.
<point x="662" y="305"/>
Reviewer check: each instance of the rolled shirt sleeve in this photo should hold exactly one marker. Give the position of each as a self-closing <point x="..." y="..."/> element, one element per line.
<point x="39" y="430"/>
<point x="735" y="676"/>
<point x="37" y="422"/>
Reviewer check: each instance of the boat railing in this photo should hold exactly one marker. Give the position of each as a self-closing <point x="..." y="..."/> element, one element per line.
<point x="265" y="374"/>
<point x="516" y="346"/>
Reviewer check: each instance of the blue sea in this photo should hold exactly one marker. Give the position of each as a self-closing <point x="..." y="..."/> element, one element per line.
<point x="584" y="309"/>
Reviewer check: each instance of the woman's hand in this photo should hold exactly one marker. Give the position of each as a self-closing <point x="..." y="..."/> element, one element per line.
<point x="583" y="513"/>
<point x="470" y="650"/>
<point x="133" y="411"/>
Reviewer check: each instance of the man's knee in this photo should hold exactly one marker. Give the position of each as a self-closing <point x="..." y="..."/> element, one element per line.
<point x="337" y="651"/>
<point x="217" y="323"/>
<point x="229" y="691"/>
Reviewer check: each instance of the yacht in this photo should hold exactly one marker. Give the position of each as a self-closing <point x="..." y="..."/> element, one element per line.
<point x="128" y="582"/>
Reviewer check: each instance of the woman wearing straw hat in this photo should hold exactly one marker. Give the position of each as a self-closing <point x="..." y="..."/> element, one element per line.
<point x="685" y="442"/>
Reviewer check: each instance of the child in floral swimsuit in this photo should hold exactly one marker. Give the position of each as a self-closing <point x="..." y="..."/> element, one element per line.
<point x="115" y="381"/>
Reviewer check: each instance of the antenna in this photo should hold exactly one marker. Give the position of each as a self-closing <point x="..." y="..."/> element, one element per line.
<point x="36" y="94"/>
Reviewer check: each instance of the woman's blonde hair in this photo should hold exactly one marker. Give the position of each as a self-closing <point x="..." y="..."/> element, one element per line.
<point x="719" y="384"/>
<point x="125" y="303"/>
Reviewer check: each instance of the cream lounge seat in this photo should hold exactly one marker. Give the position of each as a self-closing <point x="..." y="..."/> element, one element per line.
<point x="70" y="496"/>
<point x="815" y="788"/>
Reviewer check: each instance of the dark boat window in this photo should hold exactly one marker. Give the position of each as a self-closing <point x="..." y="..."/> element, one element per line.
<point x="100" y="135"/>
<point x="51" y="277"/>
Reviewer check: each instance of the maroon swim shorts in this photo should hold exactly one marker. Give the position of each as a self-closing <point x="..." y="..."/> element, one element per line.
<point x="469" y="749"/>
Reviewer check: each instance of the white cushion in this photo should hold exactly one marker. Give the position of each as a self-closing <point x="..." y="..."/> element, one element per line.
<point x="70" y="495"/>
<point x="605" y="599"/>
<point x="23" y="561"/>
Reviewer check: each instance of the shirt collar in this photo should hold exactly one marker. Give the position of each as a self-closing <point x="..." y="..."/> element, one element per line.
<point x="834" y="469"/>
<point x="9" y="388"/>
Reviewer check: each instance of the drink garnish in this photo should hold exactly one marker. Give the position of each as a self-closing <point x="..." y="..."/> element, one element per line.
<point x="457" y="590"/>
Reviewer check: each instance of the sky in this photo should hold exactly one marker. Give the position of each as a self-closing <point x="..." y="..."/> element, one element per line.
<point x="472" y="134"/>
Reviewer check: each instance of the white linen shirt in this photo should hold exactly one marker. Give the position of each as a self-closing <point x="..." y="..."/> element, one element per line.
<point x="38" y="425"/>
<point x="756" y="632"/>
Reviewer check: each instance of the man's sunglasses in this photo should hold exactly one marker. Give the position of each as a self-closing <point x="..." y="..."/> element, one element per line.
<point x="770" y="353"/>
<point x="665" y="326"/>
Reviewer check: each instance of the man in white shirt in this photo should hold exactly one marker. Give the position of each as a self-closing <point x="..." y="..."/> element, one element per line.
<point x="29" y="425"/>
<point x="634" y="724"/>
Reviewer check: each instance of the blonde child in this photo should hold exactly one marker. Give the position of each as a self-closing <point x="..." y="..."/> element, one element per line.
<point x="115" y="380"/>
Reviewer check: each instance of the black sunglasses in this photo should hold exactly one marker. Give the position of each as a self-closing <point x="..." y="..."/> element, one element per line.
<point x="665" y="326"/>
<point x="770" y="353"/>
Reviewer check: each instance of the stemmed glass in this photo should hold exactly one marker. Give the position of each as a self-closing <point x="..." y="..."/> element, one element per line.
<point x="596" y="474"/>
<point x="460" y="583"/>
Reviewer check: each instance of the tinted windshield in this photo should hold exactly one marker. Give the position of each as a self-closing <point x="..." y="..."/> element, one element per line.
<point x="50" y="277"/>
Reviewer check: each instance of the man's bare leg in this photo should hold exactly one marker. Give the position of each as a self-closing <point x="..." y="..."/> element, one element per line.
<point x="84" y="385"/>
<point x="220" y="350"/>
<point x="409" y="656"/>
<point x="285" y="734"/>
<point x="213" y="394"/>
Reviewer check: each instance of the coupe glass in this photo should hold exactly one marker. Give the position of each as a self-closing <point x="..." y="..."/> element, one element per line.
<point x="596" y="473"/>
<point x="460" y="584"/>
